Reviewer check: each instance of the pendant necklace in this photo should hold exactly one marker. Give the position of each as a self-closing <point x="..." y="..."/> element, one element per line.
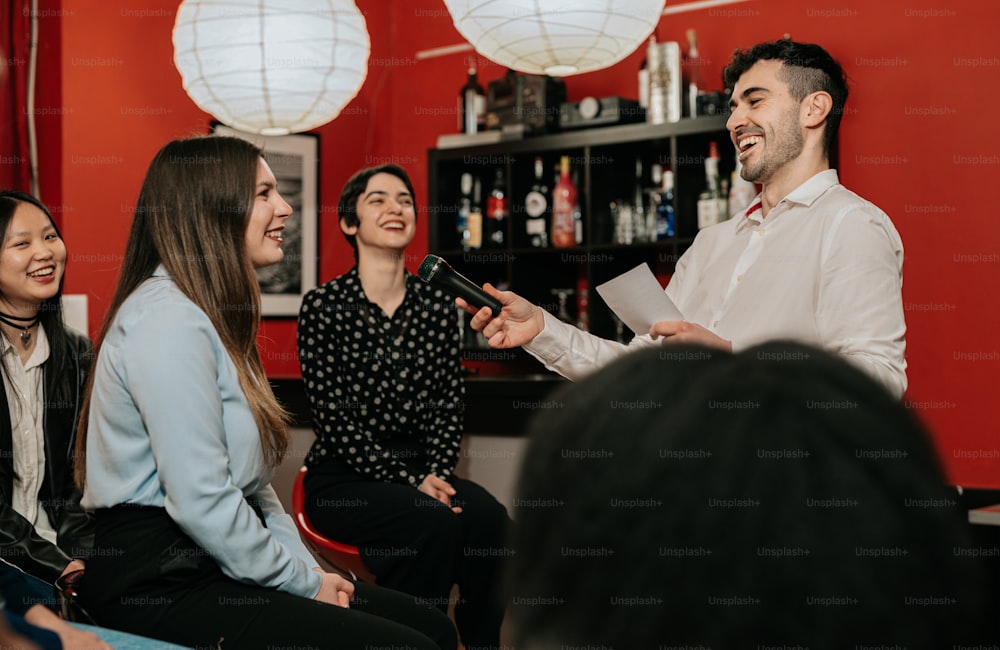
<point x="23" y="324"/>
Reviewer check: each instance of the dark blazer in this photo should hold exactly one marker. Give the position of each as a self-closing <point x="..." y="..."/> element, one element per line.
<point x="19" y="543"/>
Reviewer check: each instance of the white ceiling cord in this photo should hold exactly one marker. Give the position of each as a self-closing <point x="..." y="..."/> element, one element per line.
<point x="32" y="72"/>
<point x="445" y="50"/>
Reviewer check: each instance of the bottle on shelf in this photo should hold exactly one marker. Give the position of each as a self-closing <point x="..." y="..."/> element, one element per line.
<point x="642" y="232"/>
<point x="536" y="208"/>
<point x="741" y="191"/>
<point x="643" y="78"/>
<point x="666" y="222"/>
<point x="471" y="104"/>
<point x="692" y="74"/>
<point x="577" y="211"/>
<point x="582" y="304"/>
<point x="724" y="199"/>
<point x="464" y="207"/>
<point x="476" y="217"/>
<point x="562" y="295"/>
<point x="564" y="207"/>
<point x="497" y="211"/>
<point x="710" y="206"/>
<point x="664" y="62"/>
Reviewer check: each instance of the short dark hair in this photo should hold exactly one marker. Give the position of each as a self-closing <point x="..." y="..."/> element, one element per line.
<point x="347" y="207"/>
<point x="806" y="68"/>
<point x="687" y="496"/>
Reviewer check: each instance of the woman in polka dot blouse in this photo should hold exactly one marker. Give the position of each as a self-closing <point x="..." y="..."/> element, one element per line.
<point x="380" y="357"/>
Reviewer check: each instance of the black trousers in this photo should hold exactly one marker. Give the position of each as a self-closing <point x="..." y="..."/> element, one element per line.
<point x="415" y="544"/>
<point x="147" y="577"/>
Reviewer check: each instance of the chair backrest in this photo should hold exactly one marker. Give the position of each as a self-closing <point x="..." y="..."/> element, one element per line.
<point x="345" y="557"/>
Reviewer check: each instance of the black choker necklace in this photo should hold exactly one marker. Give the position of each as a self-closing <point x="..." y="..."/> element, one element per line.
<point x="24" y="325"/>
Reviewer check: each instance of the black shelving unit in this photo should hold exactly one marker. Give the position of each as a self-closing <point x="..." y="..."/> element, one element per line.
<point x="604" y="163"/>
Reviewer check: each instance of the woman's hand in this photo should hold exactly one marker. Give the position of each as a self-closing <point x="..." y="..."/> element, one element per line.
<point x="437" y="488"/>
<point x="74" y="565"/>
<point x="335" y="590"/>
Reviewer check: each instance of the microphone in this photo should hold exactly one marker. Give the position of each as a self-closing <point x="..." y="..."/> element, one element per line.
<point x="438" y="273"/>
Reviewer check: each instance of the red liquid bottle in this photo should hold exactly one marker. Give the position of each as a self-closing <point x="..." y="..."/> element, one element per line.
<point x="564" y="207"/>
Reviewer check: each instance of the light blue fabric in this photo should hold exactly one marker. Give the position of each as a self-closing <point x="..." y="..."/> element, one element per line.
<point x="122" y="641"/>
<point x="170" y="427"/>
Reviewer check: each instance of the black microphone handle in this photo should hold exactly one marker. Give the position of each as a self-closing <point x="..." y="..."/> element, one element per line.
<point x="461" y="286"/>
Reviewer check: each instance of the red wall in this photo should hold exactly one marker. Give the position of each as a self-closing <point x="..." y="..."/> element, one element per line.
<point x="914" y="142"/>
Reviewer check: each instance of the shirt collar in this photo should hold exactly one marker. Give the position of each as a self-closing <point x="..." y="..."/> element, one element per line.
<point x="805" y="194"/>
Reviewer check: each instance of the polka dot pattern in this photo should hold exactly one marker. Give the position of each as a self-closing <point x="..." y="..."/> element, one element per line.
<point x="386" y="394"/>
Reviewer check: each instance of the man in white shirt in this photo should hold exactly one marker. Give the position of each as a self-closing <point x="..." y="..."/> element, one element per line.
<point x="809" y="260"/>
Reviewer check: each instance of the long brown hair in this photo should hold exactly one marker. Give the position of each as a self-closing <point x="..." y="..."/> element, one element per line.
<point x="191" y="217"/>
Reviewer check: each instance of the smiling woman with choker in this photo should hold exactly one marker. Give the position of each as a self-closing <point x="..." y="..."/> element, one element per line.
<point x="43" y="365"/>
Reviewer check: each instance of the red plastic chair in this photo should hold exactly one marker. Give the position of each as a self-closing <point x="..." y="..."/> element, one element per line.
<point x="343" y="556"/>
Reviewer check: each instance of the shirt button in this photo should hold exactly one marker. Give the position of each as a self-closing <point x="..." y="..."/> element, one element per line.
<point x="715" y="323"/>
<point x="739" y="278"/>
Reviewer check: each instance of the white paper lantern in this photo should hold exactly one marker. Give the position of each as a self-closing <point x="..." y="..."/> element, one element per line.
<point x="555" y="37"/>
<point x="271" y="66"/>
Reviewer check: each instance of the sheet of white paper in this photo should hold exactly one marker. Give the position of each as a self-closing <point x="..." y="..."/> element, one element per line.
<point x="638" y="299"/>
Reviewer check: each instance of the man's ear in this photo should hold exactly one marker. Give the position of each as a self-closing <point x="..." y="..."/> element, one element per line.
<point x="815" y="108"/>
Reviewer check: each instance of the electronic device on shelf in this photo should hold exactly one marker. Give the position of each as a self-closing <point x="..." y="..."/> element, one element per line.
<point x="592" y="111"/>
<point x="525" y="102"/>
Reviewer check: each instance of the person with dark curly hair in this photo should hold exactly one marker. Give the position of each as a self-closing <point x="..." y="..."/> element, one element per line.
<point x="808" y="260"/>
<point x="778" y="497"/>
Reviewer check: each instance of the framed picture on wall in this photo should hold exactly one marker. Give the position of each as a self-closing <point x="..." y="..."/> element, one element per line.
<point x="294" y="159"/>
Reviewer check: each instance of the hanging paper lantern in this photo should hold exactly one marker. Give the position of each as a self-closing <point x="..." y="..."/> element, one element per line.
<point x="271" y="66"/>
<point x="555" y="37"/>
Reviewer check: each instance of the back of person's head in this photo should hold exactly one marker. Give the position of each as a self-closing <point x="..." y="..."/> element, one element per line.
<point x="806" y="68"/>
<point x="776" y="496"/>
<point x="347" y="206"/>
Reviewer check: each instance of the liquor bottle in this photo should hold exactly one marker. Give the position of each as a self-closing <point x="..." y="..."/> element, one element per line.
<point x="464" y="207"/>
<point x="741" y="191"/>
<point x="664" y="61"/>
<point x="582" y="305"/>
<point x="476" y="217"/>
<point x="640" y="229"/>
<point x="708" y="201"/>
<point x="564" y="205"/>
<point x="644" y="78"/>
<point x="471" y="104"/>
<point x="497" y="211"/>
<point x="577" y="212"/>
<point x="666" y="222"/>
<point x="536" y="207"/>
<point x="724" y="199"/>
<point x="691" y="67"/>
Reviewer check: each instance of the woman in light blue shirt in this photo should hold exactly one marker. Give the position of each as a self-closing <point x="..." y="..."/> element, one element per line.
<point x="181" y="434"/>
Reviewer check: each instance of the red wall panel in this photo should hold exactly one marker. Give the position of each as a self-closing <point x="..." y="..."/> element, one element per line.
<point x="915" y="142"/>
